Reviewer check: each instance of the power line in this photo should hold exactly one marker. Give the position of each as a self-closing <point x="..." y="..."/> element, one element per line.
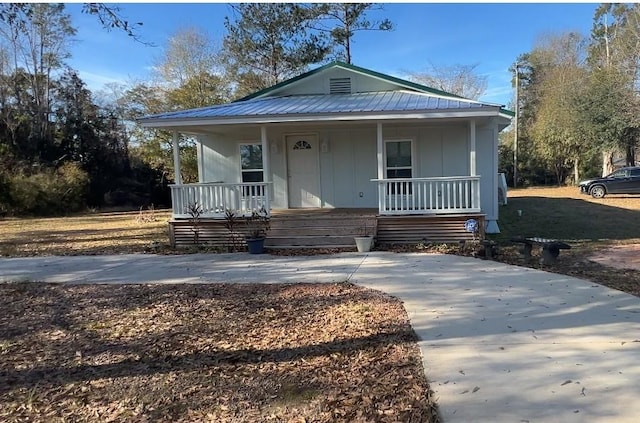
<point x="515" y="137"/>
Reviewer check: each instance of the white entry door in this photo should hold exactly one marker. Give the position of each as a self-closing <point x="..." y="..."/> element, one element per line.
<point x="303" y="172"/>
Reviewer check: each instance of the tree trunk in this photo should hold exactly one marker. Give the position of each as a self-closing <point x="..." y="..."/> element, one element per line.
<point x="558" y="170"/>
<point x="631" y="155"/>
<point x="607" y="162"/>
<point x="576" y="171"/>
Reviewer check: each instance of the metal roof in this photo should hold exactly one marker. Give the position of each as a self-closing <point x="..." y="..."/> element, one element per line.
<point x="298" y="105"/>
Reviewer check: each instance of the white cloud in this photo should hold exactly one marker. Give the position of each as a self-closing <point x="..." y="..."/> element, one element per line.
<point x="97" y="80"/>
<point x="498" y="95"/>
<point x="499" y="88"/>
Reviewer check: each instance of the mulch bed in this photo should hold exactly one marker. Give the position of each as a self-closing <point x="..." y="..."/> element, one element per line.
<point x="228" y="352"/>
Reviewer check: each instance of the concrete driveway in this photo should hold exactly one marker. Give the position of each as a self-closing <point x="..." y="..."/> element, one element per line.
<point x="500" y="343"/>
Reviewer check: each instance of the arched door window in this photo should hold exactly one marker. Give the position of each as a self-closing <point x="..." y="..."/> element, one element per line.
<point x="302" y="145"/>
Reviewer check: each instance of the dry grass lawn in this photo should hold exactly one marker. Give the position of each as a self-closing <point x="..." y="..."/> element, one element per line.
<point x="589" y="225"/>
<point x="214" y="353"/>
<point x="97" y="233"/>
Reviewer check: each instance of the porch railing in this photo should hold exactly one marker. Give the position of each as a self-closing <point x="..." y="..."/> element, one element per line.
<point x="456" y="194"/>
<point x="215" y="198"/>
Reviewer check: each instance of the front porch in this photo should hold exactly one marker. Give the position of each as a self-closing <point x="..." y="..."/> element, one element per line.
<point x="410" y="211"/>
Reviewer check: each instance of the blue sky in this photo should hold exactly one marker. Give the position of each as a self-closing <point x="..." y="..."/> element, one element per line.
<point x="490" y="35"/>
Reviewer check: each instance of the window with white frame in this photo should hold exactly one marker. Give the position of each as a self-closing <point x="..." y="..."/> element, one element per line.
<point x="399" y="162"/>
<point x="251" y="162"/>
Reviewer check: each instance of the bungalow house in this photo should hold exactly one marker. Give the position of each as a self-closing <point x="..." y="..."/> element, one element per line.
<point x="343" y="139"/>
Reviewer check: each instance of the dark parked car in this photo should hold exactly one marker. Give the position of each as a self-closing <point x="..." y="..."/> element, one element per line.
<point x="622" y="181"/>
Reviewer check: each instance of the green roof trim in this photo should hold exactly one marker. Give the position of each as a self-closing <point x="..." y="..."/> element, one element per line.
<point x="507" y="112"/>
<point x="388" y="78"/>
<point x="287" y="82"/>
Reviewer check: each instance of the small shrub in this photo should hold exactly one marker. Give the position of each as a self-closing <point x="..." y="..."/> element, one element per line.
<point x="146" y="216"/>
<point x="231" y="223"/>
<point x="258" y="223"/>
<point x="194" y="210"/>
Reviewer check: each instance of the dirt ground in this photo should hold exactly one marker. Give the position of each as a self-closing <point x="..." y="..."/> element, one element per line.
<point x="619" y="256"/>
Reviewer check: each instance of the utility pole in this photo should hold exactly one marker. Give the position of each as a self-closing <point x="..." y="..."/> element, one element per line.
<point x="515" y="132"/>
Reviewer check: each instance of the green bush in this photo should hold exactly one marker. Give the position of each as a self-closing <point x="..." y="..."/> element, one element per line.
<point x="48" y="191"/>
<point x="5" y="197"/>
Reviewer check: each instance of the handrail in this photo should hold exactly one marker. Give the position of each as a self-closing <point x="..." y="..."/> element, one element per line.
<point x="435" y="178"/>
<point x="222" y="184"/>
<point x="214" y="198"/>
<point x="438" y="195"/>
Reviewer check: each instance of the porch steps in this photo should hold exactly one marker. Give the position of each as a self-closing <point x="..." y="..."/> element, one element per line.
<point x="427" y="229"/>
<point x="319" y="228"/>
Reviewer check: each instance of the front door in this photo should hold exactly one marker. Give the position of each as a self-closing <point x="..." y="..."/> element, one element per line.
<point x="303" y="172"/>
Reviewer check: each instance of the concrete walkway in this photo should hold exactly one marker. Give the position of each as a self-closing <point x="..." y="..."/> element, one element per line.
<point x="500" y="343"/>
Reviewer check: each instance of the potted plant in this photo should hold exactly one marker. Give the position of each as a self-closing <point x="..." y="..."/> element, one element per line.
<point x="257" y="228"/>
<point x="364" y="242"/>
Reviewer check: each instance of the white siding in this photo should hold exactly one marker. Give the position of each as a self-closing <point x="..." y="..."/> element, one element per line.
<point x="221" y="160"/>
<point x="440" y="151"/>
<point x="319" y="83"/>
<point x="429" y="150"/>
<point x="487" y="164"/>
<point x="366" y="168"/>
<point x="455" y="151"/>
<point x="347" y="167"/>
<point x="349" y="161"/>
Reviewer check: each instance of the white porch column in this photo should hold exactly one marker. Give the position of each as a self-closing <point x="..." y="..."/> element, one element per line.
<point x="266" y="158"/>
<point x="381" y="175"/>
<point x="380" y="149"/>
<point x="266" y="168"/>
<point x="200" y="156"/>
<point x="472" y="148"/>
<point x="177" y="177"/>
<point x="492" y="218"/>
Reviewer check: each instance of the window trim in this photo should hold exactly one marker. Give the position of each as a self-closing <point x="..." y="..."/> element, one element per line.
<point x="242" y="171"/>
<point x="413" y="157"/>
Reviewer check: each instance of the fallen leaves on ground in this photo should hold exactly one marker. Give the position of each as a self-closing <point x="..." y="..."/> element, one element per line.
<point x="228" y="352"/>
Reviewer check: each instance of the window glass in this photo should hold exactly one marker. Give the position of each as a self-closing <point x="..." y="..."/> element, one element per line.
<point x="251" y="162"/>
<point x="302" y="145"/>
<point x="398" y="159"/>
<point x="251" y="156"/>
<point x="399" y="154"/>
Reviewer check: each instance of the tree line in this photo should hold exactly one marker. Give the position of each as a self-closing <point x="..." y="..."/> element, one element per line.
<point x="63" y="147"/>
<point x="579" y="104"/>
